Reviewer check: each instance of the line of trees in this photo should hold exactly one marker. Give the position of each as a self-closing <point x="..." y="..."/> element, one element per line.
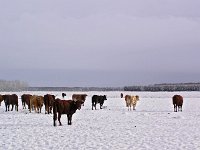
<point x="15" y="85"/>
<point x="165" y="87"/>
<point x="75" y="88"/>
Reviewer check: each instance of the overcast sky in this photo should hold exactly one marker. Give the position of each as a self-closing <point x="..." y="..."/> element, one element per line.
<point x="100" y="42"/>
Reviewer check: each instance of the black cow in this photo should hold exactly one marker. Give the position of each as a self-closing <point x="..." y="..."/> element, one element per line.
<point x="98" y="99"/>
<point x="63" y="95"/>
<point x="121" y="95"/>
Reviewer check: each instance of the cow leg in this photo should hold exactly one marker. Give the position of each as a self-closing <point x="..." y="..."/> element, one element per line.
<point x="175" y="108"/>
<point x="54" y="119"/>
<point x="59" y="117"/>
<point x="95" y="105"/>
<point x="45" y="109"/>
<point x="101" y="105"/>
<point x="6" y="107"/>
<point x="133" y="107"/>
<point x="30" y="108"/>
<point x="23" y="104"/>
<point x="35" y="108"/>
<point x="50" y="109"/>
<point x="69" y="117"/>
<point x="179" y="108"/>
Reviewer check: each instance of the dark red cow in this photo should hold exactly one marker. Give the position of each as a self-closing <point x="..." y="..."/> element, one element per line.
<point x="11" y="100"/>
<point x="48" y="102"/>
<point x="26" y="100"/>
<point x="177" y="102"/>
<point x="68" y="107"/>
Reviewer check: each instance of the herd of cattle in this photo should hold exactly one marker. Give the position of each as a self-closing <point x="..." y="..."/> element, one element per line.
<point x="69" y="107"/>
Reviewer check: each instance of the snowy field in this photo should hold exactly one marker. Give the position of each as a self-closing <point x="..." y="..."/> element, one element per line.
<point x="152" y="126"/>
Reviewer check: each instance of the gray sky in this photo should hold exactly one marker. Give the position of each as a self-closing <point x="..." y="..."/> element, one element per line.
<point x="100" y="42"/>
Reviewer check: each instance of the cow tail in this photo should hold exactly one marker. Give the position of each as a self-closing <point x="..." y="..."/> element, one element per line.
<point x="54" y="112"/>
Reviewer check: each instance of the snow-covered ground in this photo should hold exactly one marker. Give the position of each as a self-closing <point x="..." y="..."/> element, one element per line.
<point x="152" y="126"/>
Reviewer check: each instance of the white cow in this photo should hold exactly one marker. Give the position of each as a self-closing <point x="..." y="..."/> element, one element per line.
<point x="131" y="101"/>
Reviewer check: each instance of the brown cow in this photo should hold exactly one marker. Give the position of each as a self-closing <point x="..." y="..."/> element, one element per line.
<point x="48" y="102"/>
<point x="26" y="100"/>
<point x="36" y="102"/>
<point x="79" y="97"/>
<point x="127" y="98"/>
<point x="68" y="107"/>
<point x="177" y="102"/>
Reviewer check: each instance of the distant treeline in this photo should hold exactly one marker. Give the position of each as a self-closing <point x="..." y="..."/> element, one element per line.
<point x="153" y="88"/>
<point x="165" y="87"/>
<point x="15" y="85"/>
<point x="75" y="88"/>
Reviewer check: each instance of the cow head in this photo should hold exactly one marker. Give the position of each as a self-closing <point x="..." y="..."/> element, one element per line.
<point x="137" y="97"/>
<point x="104" y="97"/>
<point x="78" y="104"/>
